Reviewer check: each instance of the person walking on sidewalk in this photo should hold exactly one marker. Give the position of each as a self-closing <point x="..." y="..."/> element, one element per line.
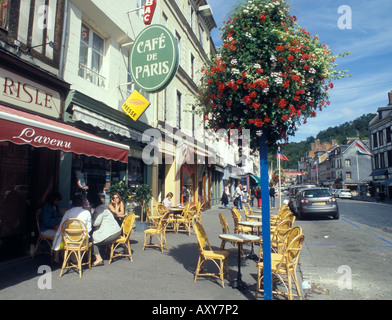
<point x="272" y="197"/>
<point x="238" y="196"/>
<point x="258" y="196"/>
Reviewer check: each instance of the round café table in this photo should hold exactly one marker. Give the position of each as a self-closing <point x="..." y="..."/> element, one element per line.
<point x="254" y="216"/>
<point x="240" y="239"/>
<point x="252" y="224"/>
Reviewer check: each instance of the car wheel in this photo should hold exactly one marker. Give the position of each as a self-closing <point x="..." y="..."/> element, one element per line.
<point x="336" y="216"/>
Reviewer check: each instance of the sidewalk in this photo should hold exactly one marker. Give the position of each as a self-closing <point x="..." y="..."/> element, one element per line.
<point x="151" y="276"/>
<point x="372" y="199"/>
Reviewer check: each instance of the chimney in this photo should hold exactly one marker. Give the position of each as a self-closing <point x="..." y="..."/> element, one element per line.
<point x="390" y="97"/>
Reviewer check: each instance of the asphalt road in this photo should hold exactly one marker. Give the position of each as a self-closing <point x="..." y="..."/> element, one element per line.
<point x="349" y="258"/>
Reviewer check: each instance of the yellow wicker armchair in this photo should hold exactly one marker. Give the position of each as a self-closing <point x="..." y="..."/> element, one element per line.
<point x="207" y="254"/>
<point x="123" y="240"/>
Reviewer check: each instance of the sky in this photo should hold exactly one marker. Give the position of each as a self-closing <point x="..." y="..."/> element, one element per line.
<point x="369" y="41"/>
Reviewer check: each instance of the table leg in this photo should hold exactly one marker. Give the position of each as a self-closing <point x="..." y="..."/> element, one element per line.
<point x="239" y="284"/>
<point x="252" y="255"/>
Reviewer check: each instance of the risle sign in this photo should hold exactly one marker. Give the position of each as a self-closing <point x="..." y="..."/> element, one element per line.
<point x="153" y="61"/>
<point x="20" y="91"/>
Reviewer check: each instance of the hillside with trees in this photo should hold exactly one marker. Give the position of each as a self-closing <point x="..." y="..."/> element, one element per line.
<point x="295" y="150"/>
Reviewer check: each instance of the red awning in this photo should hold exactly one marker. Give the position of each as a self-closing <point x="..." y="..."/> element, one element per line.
<point x="23" y="128"/>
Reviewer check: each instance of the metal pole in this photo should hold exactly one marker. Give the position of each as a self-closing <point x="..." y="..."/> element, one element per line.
<point x="265" y="217"/>
<point x="280" y="199"/>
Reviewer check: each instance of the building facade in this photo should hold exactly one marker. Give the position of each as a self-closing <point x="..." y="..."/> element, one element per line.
<point x="381" y="147"/>
<point x="65" y="76"/>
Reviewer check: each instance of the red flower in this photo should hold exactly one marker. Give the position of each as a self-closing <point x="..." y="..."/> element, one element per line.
<point x="262" y="17"/>
<point x="247" y="100"/>
<point x="258" y="70"/>
<point x="295" y="77"/>
<point x="282" y="103"/>
<point x="286" y="83"/>
<point x="280" y="48"/>
<point x="256" y="105"/>
<point x="229" y="103"/>
<point x="290" y="57"/>
<point x="253" y="95"/>
<point x="284" y="117"/>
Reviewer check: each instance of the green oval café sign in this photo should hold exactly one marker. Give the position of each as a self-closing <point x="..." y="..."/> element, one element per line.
<point x="153" y="61"/>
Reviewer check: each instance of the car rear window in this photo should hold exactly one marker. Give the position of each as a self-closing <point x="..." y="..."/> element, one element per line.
<point x="317" y="193"/>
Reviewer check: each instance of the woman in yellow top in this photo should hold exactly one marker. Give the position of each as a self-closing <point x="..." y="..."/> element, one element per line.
<point x="116" y="206"/>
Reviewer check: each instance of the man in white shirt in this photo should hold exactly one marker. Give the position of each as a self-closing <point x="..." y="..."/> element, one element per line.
<point x="238" y="196"/>
<point x="77" y="212"/>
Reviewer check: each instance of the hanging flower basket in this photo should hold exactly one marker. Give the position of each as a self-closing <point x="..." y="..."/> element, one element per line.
<point x="269" y="74"/>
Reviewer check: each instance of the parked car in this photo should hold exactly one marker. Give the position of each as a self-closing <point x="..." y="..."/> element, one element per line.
<point x="344" y="193"/>
<point x="316" y="201"/>
<point x="292" y="195"/>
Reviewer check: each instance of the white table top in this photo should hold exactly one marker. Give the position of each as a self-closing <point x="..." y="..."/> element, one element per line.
<point x="254" y="216"/>
<point x="250" y="223"/>
<point x="239" y="237"/>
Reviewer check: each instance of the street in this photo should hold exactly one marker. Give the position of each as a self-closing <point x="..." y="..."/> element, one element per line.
<point x="349" y="258"/>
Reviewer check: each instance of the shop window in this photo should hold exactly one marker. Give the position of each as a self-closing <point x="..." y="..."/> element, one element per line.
<point x="136" y="173"/>
<point x="15" y="182"/>
<point x="90" y="174"/>
<point x="91" y="56"/>
<point x="188" y="184"/>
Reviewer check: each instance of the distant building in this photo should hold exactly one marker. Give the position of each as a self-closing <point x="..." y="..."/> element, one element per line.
<point x="381" y="147"/>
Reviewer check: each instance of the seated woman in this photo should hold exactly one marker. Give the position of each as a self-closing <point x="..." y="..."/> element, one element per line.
<point x="167" y="201"/>
<point x="51" y="215"/>
<point x="116" y="206"/>
<point x="105" y="227"/>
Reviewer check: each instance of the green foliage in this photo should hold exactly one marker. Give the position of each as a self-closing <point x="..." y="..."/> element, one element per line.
<point x="143" y="194"/>
<point x="122" y="189"/>
<point x="295" y="150"/>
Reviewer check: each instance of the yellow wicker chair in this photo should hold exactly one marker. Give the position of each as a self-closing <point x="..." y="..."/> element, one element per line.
<point x="247" y="214"/>
<point x="123" y="240"/>
<point x="199" y="206"/>
<point x="41" y="237"/>
<point x="76" y="243"/>
<point x="225" y="229"/>
<point x="207" y="254"/>
<point x="152" y="219"/>
<point x="284" y="269"/>
<point x="278" y="236"/>
<point x="159" y="232"/>
<point x="237" y="227"/>
<point x="183" y="223"/>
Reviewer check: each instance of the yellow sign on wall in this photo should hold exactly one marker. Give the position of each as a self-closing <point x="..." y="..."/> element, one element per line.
<point x="135" y="105"/>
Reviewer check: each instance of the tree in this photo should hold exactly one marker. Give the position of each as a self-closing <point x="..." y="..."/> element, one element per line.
<point x="269" y="74"/>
